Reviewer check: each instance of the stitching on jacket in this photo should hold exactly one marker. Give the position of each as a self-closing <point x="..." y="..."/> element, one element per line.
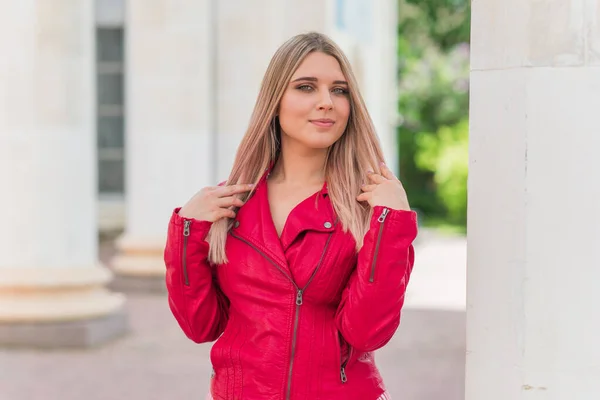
<point x="231" y="381"/>
<point x="309" y="382"/>
<point x="235" y="357"/>
<point x="245" y="330"/>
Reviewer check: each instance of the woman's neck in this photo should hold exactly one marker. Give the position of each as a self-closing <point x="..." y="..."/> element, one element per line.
<point x="300" y="168"/>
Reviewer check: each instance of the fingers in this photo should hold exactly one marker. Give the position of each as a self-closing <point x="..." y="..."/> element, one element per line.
<point x="375" y="178"/>
<point x="225" y="191"/>
<point x="227" y="199"/>
<point x="230" y="201"/>
<point x="366" y="196"/>
<point x="386" y="172"/>
<point x="219" y="201"/>
<point x="368" y="188"/>
<point x="223" y="213"/>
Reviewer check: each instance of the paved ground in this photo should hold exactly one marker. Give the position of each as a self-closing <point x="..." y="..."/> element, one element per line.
<point x="425" y="361"/>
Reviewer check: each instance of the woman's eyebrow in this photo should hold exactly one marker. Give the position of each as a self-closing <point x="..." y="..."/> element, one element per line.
<point x="313" y="79"/>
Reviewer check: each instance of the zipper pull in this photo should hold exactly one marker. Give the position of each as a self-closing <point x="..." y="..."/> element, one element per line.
<point x="383" y="215"/>
<point x="299" y="298"/>
<point x="343" y="375"/>
<point x="186" y="227"/>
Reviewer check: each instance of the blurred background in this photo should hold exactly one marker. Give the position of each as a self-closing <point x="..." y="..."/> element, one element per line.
<point x="113" y="112"/>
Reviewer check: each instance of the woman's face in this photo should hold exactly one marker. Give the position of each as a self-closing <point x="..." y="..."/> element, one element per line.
<point x="315" y="107"/>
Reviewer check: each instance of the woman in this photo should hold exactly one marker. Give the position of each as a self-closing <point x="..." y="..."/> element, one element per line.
<point x="295" y="267"/>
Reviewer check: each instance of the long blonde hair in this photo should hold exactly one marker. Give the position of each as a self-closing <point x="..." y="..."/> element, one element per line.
<point x="357" y="151"/>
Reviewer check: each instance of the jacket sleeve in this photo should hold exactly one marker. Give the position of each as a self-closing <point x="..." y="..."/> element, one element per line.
<point x="195" y="299"/>
<point x="369" y="312"/>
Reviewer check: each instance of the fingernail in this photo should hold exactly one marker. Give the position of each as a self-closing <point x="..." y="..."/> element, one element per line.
<point x="369" y="172"/>
<point x="382" y="164"/>
<point x="251" y="184"/>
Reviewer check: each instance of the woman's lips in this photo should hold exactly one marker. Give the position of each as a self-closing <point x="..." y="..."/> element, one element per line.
<point x="323" y="123"/>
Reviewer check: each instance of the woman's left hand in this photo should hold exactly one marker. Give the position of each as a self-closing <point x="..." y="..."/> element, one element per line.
<point x="384" y="190"/>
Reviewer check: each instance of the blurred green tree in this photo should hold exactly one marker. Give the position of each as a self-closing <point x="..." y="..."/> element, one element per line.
<point x="433" y="55"/>
<point x="446" y="155"/>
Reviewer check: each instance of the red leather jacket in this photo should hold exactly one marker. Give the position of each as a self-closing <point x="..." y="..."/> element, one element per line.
<point x="296" y="317"/>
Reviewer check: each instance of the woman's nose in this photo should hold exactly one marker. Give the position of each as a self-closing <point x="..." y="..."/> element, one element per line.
<point x="325" y="102"/>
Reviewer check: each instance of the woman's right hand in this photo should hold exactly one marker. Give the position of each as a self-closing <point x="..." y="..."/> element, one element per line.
<point x="214" y="202"/>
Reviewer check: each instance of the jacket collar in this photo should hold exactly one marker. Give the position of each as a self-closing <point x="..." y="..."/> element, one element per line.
<point x="254" y="222"/>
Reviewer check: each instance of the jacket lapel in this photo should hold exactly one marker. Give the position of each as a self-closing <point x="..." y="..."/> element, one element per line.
<point x="255" y="225"/>
<point x="313" y="214"/>
<point x="254" y="222"/>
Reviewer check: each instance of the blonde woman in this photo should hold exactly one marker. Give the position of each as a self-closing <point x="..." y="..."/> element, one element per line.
<point x="297" y="266"/>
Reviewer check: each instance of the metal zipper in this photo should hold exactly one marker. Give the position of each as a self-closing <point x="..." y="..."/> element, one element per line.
<point x="186" y="234"/>
<point x="294" y="337"/>
<point x="299" y="301"/>
<point x="381" y="221"/>
<point x="343" y="376"/>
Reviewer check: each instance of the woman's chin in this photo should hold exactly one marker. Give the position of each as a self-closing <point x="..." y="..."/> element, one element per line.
<point x="317" y="140"/>
<point x="322" y="140"/>
<point x="320" y="144"/>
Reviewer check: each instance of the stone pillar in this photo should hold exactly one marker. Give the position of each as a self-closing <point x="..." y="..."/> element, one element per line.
<point x="380" y="58"/>
<point x="169" y="86"/>
<point x="534" y="195"/>
<point x="51" y="284"/>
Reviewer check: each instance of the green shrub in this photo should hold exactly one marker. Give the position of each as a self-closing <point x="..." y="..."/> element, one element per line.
<point x="446" y="155"/>
<point x="433" y="72"/>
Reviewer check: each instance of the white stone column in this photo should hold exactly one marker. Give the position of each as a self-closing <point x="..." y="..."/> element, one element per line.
<point x="381" y="86"/>
<point x="51" y="284"/>
<point x="534" y="201"/>
<point x="169" y="84"/>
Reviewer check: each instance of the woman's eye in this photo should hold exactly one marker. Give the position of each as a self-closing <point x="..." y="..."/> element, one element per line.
<point x="305" y="88"/>
<point x="340" y="91"/>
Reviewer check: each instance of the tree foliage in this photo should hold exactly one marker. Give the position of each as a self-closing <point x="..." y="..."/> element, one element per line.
<point x="433" y="54"/>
